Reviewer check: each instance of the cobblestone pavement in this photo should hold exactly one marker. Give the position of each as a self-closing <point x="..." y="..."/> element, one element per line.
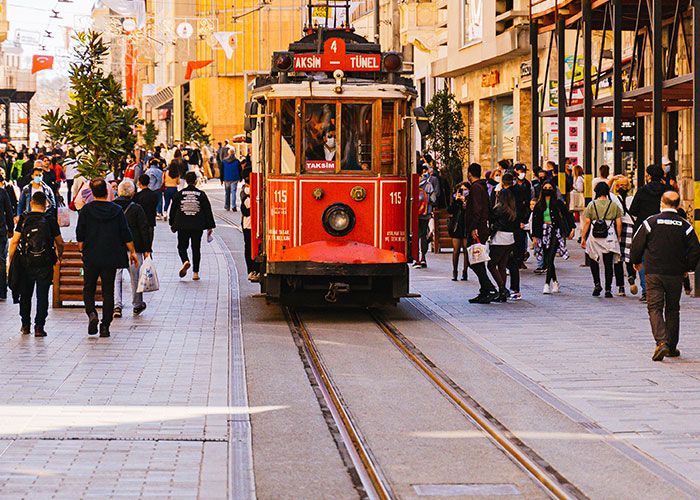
<point x="588" y="356"/>
<point x="144" y="412"/>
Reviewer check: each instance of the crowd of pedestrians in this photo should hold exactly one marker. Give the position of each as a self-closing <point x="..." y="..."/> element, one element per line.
<point x="116" y="220"/>
<point x="495" y="218"/>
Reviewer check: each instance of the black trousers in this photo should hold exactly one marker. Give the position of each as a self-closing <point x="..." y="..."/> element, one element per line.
<point x="106" y="275"/>
<point x="608" y="264"/>
<point x="250" y="263"/>
<point x="41" y="281"/>
<point x="423" y="236"/>
<point x="520" y="247"/>
<point x="184" y="238"/>
<point x="499" y="254"/>
<point x="550" y="253"/>
<point x="69" y="185"/>
<point x="664" y="305"/>
<point x="3" y="267"/>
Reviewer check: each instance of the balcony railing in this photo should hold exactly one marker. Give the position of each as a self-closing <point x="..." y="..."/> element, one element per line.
<point x="19" y="80"/>
<point x="542" y="7"/>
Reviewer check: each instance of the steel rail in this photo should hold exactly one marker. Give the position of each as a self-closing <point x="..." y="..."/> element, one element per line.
<point x="365" y="465"/>
<point x="544" y="474"/>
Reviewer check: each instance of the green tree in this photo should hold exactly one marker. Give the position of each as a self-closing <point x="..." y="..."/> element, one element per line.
<point x="446" y="137"/>
<point x="98" y="119"/>
<point x="195" y="129"/>
<point x="149" y="134"/>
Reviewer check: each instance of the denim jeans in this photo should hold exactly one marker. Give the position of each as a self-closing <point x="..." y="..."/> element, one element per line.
<point x="230" y="188"/>
<point x="136" y="298"/>
<point x="4" y="244"/>
<point x="170" y="192"/>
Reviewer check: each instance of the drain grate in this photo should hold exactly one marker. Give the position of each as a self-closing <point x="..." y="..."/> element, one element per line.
<point x="470" y="489"/>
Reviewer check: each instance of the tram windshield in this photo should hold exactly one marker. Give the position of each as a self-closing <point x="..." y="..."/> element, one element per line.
<point x="332" y="145"/>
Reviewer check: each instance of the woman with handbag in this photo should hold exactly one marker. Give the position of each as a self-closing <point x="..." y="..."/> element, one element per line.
<point x="502" y="240"/>
<point x="552" y="223"/>
<point x="602" y="225"/>
<point x="457" y="229"/>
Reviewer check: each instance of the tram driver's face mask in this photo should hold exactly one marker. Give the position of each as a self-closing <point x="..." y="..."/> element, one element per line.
<point x="330" y="141"/>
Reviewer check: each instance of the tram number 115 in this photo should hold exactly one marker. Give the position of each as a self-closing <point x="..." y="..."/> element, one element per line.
<point x="395" y="197"/>
<point x="280" y="196"/>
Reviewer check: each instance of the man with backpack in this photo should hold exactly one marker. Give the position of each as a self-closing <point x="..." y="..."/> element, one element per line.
<point x="103" y="237"/>
<point x="35" y="247"/>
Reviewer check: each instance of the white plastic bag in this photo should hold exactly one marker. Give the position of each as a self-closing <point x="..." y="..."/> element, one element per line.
<point x="477" y="253"/>
<point x="63" y="216"/>
<point x="148" y="277"/>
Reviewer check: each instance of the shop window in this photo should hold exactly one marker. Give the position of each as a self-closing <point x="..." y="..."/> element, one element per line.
<point x="288" y="133"/>
<point x="356" y="137"/>
<point x="387" y="145"/>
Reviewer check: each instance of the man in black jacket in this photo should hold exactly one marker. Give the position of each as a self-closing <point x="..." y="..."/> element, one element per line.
<point x="103" y="237"/>
<point x="6" y="228"/>
<point x="148" y="199"/>
<point x="141" y="232"/>
<point x="669" y="246"/>
<point x="647" y="202"/>
<point x="190" y="215"/>
<point x="477" y="221"/>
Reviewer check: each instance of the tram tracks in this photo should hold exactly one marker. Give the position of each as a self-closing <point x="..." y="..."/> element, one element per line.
<point x="364" y="466"/>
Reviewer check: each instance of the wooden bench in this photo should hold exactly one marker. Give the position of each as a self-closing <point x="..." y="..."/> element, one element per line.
<point x="68" y="278"/>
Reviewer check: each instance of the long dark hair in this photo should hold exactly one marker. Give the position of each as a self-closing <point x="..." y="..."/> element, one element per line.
<point x="541" y="200"/>
<point x="505" y="200"/>
<point x="173" y="169"/>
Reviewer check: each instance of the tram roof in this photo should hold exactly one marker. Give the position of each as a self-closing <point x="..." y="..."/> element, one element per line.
<point x="325" y="89"/>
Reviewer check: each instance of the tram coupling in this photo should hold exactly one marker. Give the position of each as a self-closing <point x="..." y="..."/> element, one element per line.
<point x="334" y="289"/>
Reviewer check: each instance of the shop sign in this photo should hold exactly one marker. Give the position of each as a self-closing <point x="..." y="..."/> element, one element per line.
<point x="629" y="136"/>
<point x="525" y="69"/>
<point x="490" y="79"/>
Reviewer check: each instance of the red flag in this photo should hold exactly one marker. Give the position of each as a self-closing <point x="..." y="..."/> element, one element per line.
<point x="41" y="62"/>
<point x="193" y="65"/>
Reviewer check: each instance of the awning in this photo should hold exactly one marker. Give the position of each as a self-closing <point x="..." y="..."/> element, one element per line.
<point x="161" y="98"/>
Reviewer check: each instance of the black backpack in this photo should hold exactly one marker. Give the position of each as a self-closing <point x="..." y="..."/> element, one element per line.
<point x="36" y="243"/>
<point x="600" y="226"/>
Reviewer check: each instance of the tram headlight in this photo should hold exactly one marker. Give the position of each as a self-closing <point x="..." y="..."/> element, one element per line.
<point x="338" y="219"/>
<point x="392" y="62"/>
<point x="282" y="61"/>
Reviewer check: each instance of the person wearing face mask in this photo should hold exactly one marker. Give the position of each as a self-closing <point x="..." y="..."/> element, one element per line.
<point x="552" y="223"/>
<point x="326" y="149"/>
<point x="669" y="176"/>
<point x="36" y="185"/>
<point x="621" y="197"/>
<point x="522" y="190"/>
<point x="251" y="265"/>
<point x="457" y="229"/>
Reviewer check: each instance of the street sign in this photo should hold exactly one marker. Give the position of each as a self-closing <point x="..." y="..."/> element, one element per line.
<point x="334" y="57"/>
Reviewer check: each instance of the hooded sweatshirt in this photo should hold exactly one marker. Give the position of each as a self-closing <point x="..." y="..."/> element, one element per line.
<point x="138" y="223"/>
<point x="647" y="202"/>
<point x="104" y="232"/>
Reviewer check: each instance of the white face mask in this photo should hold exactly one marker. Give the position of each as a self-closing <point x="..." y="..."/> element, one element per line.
<point x="246" y="190"/>
<point x="521" y="175"/>
<point x="667" y="168"/>
<point x="497" y="178"/>
<point x="330" y="142"/>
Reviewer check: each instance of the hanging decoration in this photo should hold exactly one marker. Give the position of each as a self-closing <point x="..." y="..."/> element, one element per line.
<point x="40" y="63"/>
<point x="195" y="65"/>
<point x="228" y="41"/>
<point x="184" y="30"/>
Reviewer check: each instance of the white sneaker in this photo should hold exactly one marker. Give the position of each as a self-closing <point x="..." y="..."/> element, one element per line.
<point x="555" y="287"/>
<point x="546" y="290"/>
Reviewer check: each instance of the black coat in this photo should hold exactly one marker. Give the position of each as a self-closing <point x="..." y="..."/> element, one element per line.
<point x="647" y="201"/>
<point x="6" y="215"/>
<point x="138" y="224"/>
<point x="148" y="199"/>
<point x="104" y="232"/>
<point x="457" y="224"/>
<point x="562" y="219"/>
<point x="477" y="211"/>
<point x="191" y="211"/>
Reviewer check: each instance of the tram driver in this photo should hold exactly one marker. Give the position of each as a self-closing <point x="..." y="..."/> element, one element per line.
<point x="325" y="150"/>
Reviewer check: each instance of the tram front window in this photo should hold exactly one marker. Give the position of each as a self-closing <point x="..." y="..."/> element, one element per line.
<point x="320" y="146"/>
<point x="356" y="131"/>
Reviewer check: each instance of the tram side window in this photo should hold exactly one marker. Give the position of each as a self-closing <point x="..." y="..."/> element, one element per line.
<point x="387" y="145"/>
<point x="288" y="132"/>
<point x="356" y="131"/>
<point x="319" y="138"/>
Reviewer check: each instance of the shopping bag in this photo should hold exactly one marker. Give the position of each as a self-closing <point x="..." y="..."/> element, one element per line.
<point x="63" y="216"/>
<point x="148" y="277"/>
<point x="477" y="253"/>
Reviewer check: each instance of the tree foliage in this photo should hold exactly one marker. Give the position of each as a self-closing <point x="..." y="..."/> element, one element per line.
<point x="195" y="129"/>
<point x="97" y="120"/>
<point x="446" y="137"/>
<point x="150" y="132"/>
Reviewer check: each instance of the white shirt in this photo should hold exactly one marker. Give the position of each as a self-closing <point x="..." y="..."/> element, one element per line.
<point x="330" y="153"/>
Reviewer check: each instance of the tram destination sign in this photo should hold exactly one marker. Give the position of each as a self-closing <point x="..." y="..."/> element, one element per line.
<point x="334" y="57"/>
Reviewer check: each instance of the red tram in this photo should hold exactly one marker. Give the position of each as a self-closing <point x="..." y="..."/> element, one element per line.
<point x="333" y="172"/>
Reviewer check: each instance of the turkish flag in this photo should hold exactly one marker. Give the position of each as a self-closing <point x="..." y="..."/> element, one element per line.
<point x="41" y="62"/>
<point x="193" y="65"/>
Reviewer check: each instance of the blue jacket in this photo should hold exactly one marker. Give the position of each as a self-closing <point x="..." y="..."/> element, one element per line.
<point x="231" y="171"/>
<point x="26" y="196"/>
